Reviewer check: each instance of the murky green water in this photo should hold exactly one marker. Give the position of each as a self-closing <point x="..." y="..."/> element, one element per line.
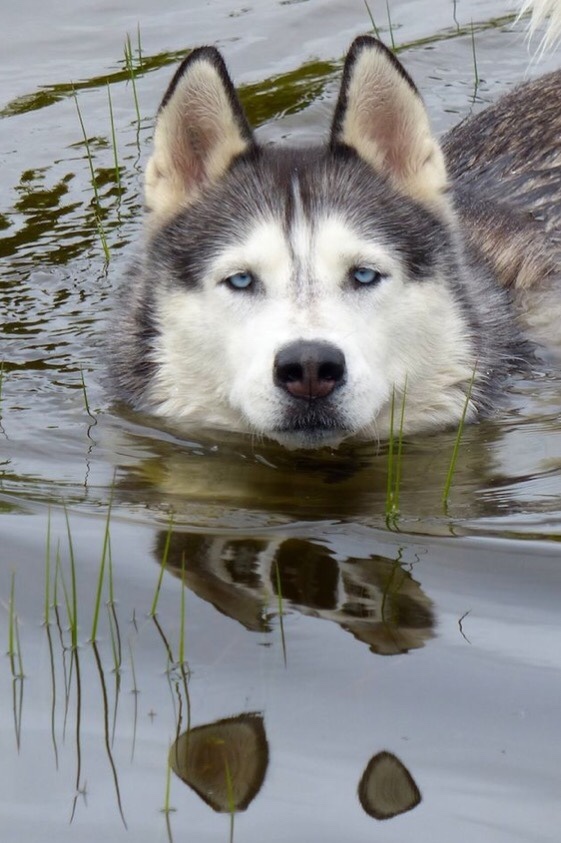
<point x="325" y="674"/>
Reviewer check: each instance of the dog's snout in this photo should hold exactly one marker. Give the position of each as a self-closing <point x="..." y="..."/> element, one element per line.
<point x="309" y="370"/>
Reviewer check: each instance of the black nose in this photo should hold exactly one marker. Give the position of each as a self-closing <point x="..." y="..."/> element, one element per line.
<point x="309" y="369"/>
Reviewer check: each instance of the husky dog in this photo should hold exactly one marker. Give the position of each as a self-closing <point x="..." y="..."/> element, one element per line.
<point x="305" y="294"/>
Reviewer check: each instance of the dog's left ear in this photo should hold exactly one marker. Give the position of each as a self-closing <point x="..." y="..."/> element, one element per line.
<point x="380" y="114"/>
<point x="200" y="130"/>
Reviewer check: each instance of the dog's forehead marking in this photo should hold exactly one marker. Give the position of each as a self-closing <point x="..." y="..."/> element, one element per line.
<point x="300" y="235"/>
<point x="306" y="256"/>
<point x="324" y="245"/>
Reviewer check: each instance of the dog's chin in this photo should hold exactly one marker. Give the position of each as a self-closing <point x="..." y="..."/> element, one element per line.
<point x="309" y="438"/>
<point x="316" y="425"/>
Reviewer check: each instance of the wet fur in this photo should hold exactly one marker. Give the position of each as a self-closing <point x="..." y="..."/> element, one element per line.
<point x="190" y="349"/>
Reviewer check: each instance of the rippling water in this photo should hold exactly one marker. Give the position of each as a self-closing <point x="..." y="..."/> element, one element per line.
<point x="325" y="669"/>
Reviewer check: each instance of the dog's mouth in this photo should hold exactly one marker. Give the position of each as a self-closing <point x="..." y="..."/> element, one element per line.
<point x="314" y="428"/>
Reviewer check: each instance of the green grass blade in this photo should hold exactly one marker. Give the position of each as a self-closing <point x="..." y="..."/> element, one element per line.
<point x="163" y="565"/>
<point x="101" y="575"/>
<point x="182" y="613"/>
<point x="397" y="482"/>
<point x="103" y="239"/>
<point x="98" y="222"/>
<point x="130" y="68"/>
<point x="456" y="449"/>
<point x="11" y="626"/>
<point x="135" y="691"/>
<point x="88" y="150"/>
<point x="47" y="610"/>
<point x="138" y="43"/>
<point x="372" y="21"/>
<point x="476" y="79"/>
<point x="53" y="692"/>
<point x="85" y="394"/>
<point x="73" y="614"/>
<point x="106" y="732"/>
<point x="389" y="481"/>
<point x="114" y="139"/>
<point x="455" y="15"/>
<point x="21" y="674"/>
<point x="281" y="612"/>
<point x="390" y="25"/>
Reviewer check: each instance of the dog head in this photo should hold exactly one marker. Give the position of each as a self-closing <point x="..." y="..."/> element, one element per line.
<point x="294" y="292"/>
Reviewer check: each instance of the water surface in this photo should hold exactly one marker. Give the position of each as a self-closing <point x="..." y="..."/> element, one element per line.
<point x="313" y="669"/>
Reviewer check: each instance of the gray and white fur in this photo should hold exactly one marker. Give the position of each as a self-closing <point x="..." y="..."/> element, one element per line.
<point x="300" y="294"/>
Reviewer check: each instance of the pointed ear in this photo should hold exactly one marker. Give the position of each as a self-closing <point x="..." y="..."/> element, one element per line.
<point x="381" y="116"/>
<point x="200" y="129"/>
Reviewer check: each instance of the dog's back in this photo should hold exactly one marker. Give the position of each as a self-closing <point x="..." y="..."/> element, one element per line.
<point x="510" y="155"/>
<point x="505" y="166"/>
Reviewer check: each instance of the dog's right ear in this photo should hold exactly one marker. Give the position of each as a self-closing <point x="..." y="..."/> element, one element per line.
<point x="200" y="129"/>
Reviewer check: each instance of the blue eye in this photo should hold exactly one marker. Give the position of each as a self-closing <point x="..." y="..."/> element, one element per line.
<point x="364" y="275"/>
<point x="240" y="280"/>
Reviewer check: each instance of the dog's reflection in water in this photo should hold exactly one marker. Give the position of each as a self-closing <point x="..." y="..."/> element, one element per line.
<point x="374" y="598"/>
